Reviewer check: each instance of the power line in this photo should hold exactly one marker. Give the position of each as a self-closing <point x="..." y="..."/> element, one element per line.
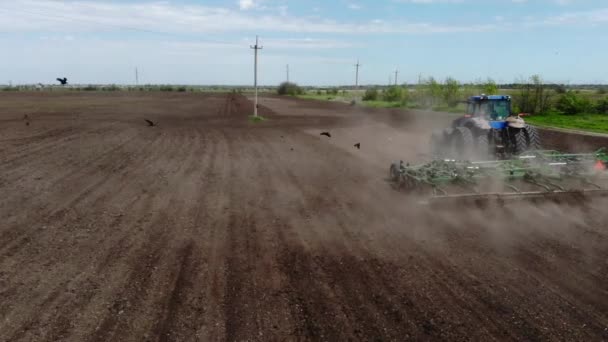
<point x="256" y="48"/>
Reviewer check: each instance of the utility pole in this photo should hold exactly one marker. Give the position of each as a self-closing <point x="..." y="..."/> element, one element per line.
<point x="390" y="80"/>
<point x="255" y="75"/>
<point x="396" y="74"/>
<point x="357" y="74"/>
<point x="287" y="73"/>
<point x="136" y="76"/>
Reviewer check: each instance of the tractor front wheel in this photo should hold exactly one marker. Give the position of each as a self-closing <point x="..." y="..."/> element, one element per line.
<point x="462" y="143"/>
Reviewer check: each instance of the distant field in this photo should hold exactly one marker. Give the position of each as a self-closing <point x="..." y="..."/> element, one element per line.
<point x="587" y="122"/>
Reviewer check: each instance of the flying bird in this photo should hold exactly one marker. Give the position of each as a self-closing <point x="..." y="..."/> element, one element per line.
<point x="150" y="123"/>
<point x="358" y="145"/>
<point x="327" y="134"/>
<point x="63" y="81"/>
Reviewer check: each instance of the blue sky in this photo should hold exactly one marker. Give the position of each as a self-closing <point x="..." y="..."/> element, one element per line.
<point x="207" y="42"/>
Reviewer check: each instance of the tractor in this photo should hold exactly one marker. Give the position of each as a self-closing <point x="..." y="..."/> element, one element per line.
<point x="489" y="129"/>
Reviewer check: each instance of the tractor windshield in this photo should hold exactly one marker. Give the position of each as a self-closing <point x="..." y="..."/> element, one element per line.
<point x="499" y="109"/>
<point x="493" y="109"/>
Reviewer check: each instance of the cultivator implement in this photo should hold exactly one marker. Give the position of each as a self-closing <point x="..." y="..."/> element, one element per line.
<point x="536" y="176"/>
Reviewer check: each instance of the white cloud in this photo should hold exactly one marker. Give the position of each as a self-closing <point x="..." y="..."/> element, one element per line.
<point x="48" y="15"/>
<point x="584" y="17"/>
<point x="354" y="6"/>
<point x="246" y="4"/>
<point x="431" y="1"/>
<point x="102" y="16"/>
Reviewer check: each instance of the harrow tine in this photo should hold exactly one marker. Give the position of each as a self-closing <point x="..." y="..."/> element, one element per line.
<point x="573" y="196"/>
<point x="548" y="170"/>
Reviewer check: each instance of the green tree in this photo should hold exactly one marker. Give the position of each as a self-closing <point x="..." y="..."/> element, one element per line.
<point x="489" y="87"/>
<point x="450" y="92"/>
<point x="534" y="97"/>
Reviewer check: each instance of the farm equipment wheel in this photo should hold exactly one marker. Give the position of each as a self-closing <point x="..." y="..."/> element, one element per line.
<point x="532" y="138"/>
<point x="462" y="142"/>
<point x="394" y="173"/>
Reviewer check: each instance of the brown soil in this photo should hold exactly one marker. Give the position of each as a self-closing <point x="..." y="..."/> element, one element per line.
<point x="208" y="227"/>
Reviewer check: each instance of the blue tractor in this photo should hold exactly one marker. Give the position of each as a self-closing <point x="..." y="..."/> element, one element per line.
<point x="488" y="129"/>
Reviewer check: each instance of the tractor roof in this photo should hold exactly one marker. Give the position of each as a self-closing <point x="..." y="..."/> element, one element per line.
<point x="489" y="97"/>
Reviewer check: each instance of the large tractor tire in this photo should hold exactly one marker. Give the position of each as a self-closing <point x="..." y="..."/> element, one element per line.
<point x="482" y="146"/>
<point x="394" y="172"/>
<point x="462" y="143"/>
<point x="519" y="144"/>
<point x="532" y="138"/>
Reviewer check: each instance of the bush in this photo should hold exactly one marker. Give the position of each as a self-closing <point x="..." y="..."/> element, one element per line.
<point x="371" y="94"/>
<point x="184" y="89"/>
<point x="571" y="103"/>
<point x="560" y="89"/>
<point x="166" y="88"/>
<point x="602" y="106"/>
<point x="393" y="94"/>
<point x="333" y="92"/>
<point x="112" y="87"/>
<point x="288" y="88"/>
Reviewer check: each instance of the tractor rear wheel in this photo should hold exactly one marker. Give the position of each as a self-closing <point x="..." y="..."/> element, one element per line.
<point x="518" y="141"/>
<point x="532" y="138"/>
<point x="462" y="143"/>
<point x="483" y="146"/>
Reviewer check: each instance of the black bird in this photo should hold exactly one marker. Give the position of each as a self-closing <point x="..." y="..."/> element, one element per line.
<point x="326" y="134"/>
<point x="150" y="123"/>
<point x="358" y="145"/>
<point x="63" y="81"/>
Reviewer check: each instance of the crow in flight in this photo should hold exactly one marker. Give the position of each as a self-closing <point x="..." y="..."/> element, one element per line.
<point x="63" y="81"/>
<point x="150" y="123"/>
<point x="358" y="145"/>
<point x="326" y="134"/>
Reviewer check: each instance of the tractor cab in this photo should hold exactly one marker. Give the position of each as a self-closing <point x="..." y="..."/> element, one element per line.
<point x="490" y="108"/>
